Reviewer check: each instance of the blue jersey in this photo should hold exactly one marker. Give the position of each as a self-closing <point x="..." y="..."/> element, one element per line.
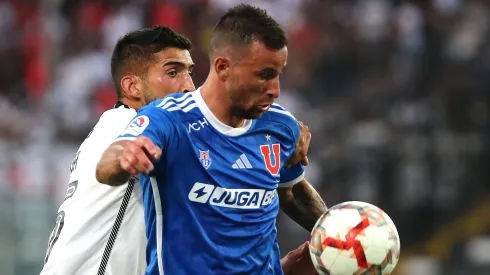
<point x="211" y="202"/>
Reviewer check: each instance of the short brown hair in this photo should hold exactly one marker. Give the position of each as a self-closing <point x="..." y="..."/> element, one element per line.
<point x="133" y="53"/>
<point x="244" y="24"/>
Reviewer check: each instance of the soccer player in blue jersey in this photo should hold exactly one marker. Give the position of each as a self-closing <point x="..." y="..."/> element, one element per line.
<point x="212" y="162"/>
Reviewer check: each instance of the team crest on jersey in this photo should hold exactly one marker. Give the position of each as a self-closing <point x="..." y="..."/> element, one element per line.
<point x="137" y="125"/>
<point x="272" y="165"/>
<point x="205" y="158"/>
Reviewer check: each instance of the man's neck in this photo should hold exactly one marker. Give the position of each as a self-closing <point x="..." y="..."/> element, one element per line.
<point x="219" y="104"/>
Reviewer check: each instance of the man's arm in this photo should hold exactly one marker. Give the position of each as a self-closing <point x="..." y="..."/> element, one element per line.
<point x="108" y="170"/>
<point x="135" y="150"/>
<point x="126" y="158"/>
<point x="302" y="203"/>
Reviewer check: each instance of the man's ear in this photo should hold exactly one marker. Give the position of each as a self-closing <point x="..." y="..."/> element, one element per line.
<point x="222" y="66"/>
<point x="132" y="87"/>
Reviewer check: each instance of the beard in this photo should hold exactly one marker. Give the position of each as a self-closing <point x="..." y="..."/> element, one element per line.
<point x="246" y="113"/>
<point x="240" y="95"/>
<point x="240" y="104"/>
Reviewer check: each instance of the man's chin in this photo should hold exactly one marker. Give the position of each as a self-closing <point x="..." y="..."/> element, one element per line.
<point x="254" y="114"/>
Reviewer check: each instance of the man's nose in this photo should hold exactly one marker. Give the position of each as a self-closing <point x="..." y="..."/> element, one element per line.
<point x="188" y="84"/>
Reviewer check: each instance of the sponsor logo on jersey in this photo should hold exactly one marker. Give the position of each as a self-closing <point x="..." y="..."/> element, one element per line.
<point x="242" y="163"/>
<point x="266" y="153"/>
<point x="137" y="125"/>
<point x="231" y="198"/>
<point x="196" y="126"/>
<point x="205" y="158"/>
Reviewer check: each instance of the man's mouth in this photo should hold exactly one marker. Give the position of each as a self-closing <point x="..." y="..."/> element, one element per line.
<point x="265" y="107"/>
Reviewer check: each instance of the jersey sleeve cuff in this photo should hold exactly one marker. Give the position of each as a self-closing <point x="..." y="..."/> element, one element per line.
<point x="292" y="182"/>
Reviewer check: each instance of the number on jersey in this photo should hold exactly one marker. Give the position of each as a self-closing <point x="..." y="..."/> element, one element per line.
<point x="60" y="220"/>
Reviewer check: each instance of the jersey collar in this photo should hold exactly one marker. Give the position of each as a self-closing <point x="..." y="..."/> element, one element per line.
<point x="218" y="125"/>
<point x="119" y="104"/>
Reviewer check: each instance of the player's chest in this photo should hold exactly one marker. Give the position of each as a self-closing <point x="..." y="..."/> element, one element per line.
<point x="253" y="159"/>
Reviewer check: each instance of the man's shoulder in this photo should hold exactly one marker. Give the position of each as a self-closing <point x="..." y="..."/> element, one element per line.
<point x="164" y="114"/>
<point x="280" y="116"/>
<point x="120" y="113"/>
<point x="178" y="102"/>
<point x="173" y="108"/>
<point x="278" y="113"/>
<point x="114" y="120"/>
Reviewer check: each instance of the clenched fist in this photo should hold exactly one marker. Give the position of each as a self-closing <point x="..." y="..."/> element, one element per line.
<point x="137" y="156"/>
<point x="126" y="158"/>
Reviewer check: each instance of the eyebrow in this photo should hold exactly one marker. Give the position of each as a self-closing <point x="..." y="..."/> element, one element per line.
<point x="177" y="63"/>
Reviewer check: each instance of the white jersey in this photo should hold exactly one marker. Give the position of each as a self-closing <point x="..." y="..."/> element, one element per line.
<point x="99" y="229"/>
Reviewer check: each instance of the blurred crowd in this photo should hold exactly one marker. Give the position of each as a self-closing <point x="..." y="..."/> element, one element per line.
<point x="396" y="94"/>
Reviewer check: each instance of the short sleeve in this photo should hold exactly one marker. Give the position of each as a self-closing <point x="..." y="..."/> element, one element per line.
<point x="151" y="122"/>
<point x="292" y="175"/>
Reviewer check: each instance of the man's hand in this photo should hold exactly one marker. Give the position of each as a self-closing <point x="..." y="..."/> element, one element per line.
<point x="127" y="158"/>
<point x="298" y="262"/>
<point x="302" y="146"/>
<point x="138" y="156"/>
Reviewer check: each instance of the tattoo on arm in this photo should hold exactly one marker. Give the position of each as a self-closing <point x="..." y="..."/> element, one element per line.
<point x="302" y="204"/>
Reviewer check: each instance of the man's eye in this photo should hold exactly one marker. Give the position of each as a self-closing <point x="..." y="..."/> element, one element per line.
<point x="172" y="74"/>
<point x="262" y="75"/>
<point x="267" y="74"/>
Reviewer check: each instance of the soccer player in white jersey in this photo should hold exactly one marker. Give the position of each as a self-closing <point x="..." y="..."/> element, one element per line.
<point x="100" y="229"/>
<point x="247" y="53"/>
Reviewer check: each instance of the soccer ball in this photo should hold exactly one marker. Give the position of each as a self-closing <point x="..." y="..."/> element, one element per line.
<point x="354" y="238"/>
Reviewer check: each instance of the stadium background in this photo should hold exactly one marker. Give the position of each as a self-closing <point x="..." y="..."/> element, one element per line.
<point x="396" y="94"/>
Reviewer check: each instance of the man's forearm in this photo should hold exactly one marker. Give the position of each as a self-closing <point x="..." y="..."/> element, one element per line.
<point x="302" y="204"/>
<point x="108" y="170"/>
